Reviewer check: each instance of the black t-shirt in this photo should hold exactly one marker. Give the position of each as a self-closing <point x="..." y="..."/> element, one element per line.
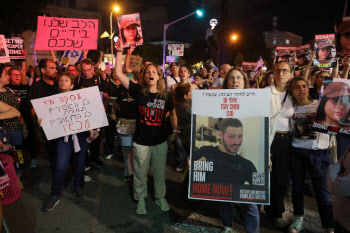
<point x="227" y="168"/>
<point x="151" y="124"/>
<point x="40" y="89"/>
<point x="82" y="82"/>
<point x="127" y="105"/>
<point x="21" y="91"/>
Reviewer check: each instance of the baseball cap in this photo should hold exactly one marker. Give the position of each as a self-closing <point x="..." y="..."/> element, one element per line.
<point x="283" y="53"/>
<point x="336" y="89"/>
<point x="301" y="53"/>
<point x="324" y="44"/>
<point x="344" y="27"/>
<point x="127" y="20"/>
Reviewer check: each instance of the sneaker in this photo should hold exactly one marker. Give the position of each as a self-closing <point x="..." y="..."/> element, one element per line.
<point x="108" y="157"/>
<point x="98" y="162"/>
<point x="78" y="193"/>
<point x="163" y="204"/>
<point x="87" y="168"/>
<point x="87" y="179"/>
<point x="52" y="203"/>
<point x="329" y="230"/>
<point x="297" y="224"/>
<point x="33" y="163"/>
<point x="227" y="230"/>
<point x="280" y="222"/>
<point x="141" y="207"/>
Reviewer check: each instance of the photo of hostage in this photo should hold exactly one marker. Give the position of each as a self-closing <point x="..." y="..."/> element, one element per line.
<point x="129" y="29"/>
<point x="324" y="50"/>
<point x="334" y="108"/>
<point x="228" y="166"/>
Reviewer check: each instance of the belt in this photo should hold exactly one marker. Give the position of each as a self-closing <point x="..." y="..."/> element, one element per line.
<point x="282" y="132"/>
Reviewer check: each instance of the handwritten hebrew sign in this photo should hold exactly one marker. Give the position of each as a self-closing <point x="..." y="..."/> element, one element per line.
<point x="71" y="112"/>
<point x="66" y="33"/>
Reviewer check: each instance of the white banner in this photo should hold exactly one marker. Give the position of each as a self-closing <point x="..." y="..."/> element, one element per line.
<point x="176" y="49"/>
<point x="71" y="112"/>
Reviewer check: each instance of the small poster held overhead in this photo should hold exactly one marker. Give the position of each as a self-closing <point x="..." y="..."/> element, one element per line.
<point x="15" y="46"/>
<point x="325" y="51"/>
<point x="284" y="53"/>
<point x="176" y="49"/>
<point x="4" y="52"/>
<point x="130" y="29"/>
<point x="54" y="33"/>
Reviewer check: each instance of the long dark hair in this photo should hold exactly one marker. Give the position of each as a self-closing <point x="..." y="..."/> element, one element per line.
<point x="137" y="37"/>
<point x="180" y="92"/>
<point x="264" y="81"/>
<point x="329" y="55"/>
<point x="246" y="81"/>
<point x="291" y="85"/>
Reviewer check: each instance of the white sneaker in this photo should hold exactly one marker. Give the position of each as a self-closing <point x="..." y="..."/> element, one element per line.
<point x="297" y="224"/>
<point x="87" y="179"/>
<point x="108" y="157"/>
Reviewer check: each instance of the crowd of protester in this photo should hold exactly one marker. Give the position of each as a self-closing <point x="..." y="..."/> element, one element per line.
<point x="128" y="97"/>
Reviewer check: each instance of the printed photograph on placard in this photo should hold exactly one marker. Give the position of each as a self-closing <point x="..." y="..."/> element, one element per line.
<point x="325" y="51"/>
<point x="303" y="55"/>
<point x="130" y="29"/>
<point x="230" y="147"/>
<point x="4" y="53"/>
<point x="333" y="113"/>
<point x="284" y="53"/>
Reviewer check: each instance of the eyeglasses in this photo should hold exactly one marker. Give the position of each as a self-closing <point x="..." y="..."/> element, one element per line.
<point x="284" y="71"/>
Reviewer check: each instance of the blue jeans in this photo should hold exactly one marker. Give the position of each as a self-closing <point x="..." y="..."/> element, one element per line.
<point x="342" y="144"/>
<point x="250" y="212"/>
<point x="316" y="162"/>
<point x="14" y="137"/>
<point x="63" y="153"/>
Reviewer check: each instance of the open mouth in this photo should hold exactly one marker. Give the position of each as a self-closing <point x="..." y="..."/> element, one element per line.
<point x="151" y="79"/>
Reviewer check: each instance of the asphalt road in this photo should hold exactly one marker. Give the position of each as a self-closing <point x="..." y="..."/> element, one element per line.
<point x="109" y="206"/>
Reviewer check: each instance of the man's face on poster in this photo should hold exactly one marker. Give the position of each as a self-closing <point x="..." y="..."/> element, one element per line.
<point x="232" y="139"/>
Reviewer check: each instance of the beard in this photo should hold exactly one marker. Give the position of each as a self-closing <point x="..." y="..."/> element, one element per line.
<point x="230" y="150"/>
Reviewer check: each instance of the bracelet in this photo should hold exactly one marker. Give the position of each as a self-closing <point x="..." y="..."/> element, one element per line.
<point x="176" y="131"/>
<point x="120" y="50"/>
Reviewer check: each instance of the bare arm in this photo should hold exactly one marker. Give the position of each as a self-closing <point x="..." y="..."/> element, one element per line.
<point x="118" y="67"/>
<point x="99" y="60"/>
<point x="127" y="60"/>
<point x="173" y="119"/>
<point x="346" y="69"/>
<point x="7" y="112"/>
<point x="307" y="69"/>
<point x="335" y="71"/>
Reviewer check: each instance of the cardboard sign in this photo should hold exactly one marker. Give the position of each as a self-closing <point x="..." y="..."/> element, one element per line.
<point x="325" y="51"/>
<point x="71" y="112"/>
<point x="15" y="46"/>
<point x="130" y="29"/>
<point x="239" y="173"/>
<point x="55" y="33"/>
<point x="171" y="59"/>
<point x="70" y="57"/>
<point x="176" y="49"/>
<point x="4" y="53"/>
<point x="135" y="63"/>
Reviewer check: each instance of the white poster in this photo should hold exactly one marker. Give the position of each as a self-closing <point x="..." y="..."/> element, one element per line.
<point x="230" y="146"/>
<point x="176" y="49"/>
<point x="4" y="52"/>
<point x="71" y="112"/>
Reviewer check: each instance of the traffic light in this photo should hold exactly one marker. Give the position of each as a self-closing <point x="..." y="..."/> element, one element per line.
<point x="199" y="10"/>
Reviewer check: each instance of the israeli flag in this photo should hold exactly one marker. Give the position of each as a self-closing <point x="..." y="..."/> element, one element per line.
<point x="70" y="57"/>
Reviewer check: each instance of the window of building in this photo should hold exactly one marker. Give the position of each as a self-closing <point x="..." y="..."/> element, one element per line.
<point x="287" y="41"/>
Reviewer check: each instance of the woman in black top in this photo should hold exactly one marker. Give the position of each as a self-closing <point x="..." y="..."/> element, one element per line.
<point x="150" y="140"/>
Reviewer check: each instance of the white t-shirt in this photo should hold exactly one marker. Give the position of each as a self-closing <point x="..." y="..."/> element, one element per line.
<point x="303" y="136"/>
<point x="218" y="82"/>
<point x="286" y="112"/>
<point x="170" y="81"/>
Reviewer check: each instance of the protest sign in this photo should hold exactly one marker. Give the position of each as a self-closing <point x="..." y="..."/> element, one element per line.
<point x="176" y="49"/>
<point x="70" y="57"/>
<point x="284" y="53"/>
<point x="16" y="48"/>
<point x="54" y="33"/>
<point x="171" y="59"/>
<point x="303" y="54"/>
<point x="325" y="51"/>
<point x="235" y="168"/>
<point x="130" y="29"/>
<point x="4" y="53"/>
<point x="71" y="112"/>
<point x="333" y="113"/>
<point x="135" y="63"/>
<point x="246" y="65"/>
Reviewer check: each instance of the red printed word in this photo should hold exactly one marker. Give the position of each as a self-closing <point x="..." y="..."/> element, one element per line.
<point x="70" y="97"/>
<point x="201" y="188"/>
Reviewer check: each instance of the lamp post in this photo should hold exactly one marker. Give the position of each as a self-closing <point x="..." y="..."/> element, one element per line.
<point x="111" y="35"/>
<point x="198" y="12"/>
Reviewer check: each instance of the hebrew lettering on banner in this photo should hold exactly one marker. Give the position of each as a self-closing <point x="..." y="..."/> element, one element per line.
<point x="71" y="112"/>
<point x="54" y="33"/>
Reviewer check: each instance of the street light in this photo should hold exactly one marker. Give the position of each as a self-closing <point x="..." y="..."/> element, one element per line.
<point x="198" y="12"/>
<point x="234" y="37"/>
<point x="116" y="9"/>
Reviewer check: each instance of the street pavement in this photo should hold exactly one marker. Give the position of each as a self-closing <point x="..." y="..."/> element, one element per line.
<point x="109" y="206"/>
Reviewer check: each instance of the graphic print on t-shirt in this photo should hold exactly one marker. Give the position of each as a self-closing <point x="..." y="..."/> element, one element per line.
<point x="153" y="113"/>
<point x="302" y="125"/>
